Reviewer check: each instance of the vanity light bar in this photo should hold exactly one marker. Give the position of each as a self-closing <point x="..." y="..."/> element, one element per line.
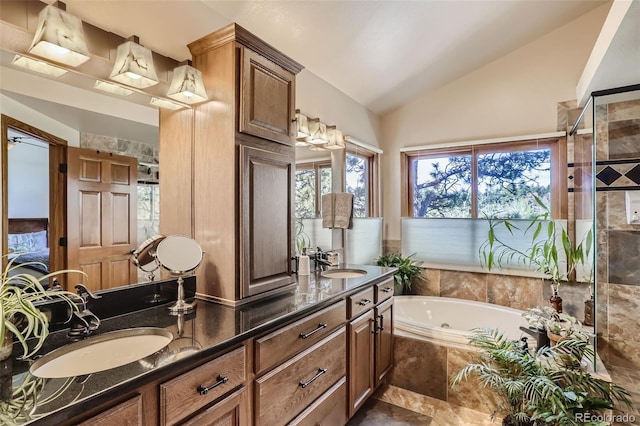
<point x="165" y="103"/>
<point x="35" y="65"/>
<point x="112" y="88"/>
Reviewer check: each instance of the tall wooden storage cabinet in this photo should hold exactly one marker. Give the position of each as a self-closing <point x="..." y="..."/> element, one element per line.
<point x="234" y="191"/>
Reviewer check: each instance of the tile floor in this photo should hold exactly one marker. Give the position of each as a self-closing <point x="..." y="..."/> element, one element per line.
<point x="394" y="406"/>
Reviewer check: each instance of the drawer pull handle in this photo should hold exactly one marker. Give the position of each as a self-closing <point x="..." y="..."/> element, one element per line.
<point x="312" y="332"/>
<point x="220" y="380"/>
<point x="364" y="302"/>
<point x="375" y="326"/>
<point x="320" y="372"/>
<point x="381" y="326"/>
<point x="387" y="289"/>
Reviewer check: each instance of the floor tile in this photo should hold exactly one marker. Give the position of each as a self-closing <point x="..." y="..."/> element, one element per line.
<point x="379" y="413"/>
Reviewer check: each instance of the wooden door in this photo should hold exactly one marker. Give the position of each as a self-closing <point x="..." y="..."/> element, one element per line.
<point x="361" y="349"/>
<point x="266" y="206"/>
<point x="267" y="99"/>
<point x="384" y="340"/>
<point x="101" y="217"/>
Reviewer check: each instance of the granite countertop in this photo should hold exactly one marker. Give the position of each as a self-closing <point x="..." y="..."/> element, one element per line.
<point x="211" y="328"/>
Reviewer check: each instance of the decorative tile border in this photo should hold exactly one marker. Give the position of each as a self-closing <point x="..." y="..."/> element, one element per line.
<point x="611" y="175"/>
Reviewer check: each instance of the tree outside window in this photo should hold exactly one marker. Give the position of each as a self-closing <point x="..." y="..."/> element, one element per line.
<point x="310" y="178"/>
<point x="357" y="183"/>
<point x="483" y="181"/>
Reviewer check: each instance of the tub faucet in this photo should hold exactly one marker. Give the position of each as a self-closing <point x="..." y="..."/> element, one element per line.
<point x="83" y="322"/>
<point x="540" y="334"/>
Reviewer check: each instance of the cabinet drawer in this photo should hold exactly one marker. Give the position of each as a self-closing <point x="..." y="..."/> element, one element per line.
<point x="360" y="302"/>
<point x="328" y="410"/>
<point x="288" y="389"/>
<point x="231" y="411"/>
<point x="276" y="347"/>
<point x="128" y="413"/>
<point x="384" y="290"/>
<point x="184" y="395"/>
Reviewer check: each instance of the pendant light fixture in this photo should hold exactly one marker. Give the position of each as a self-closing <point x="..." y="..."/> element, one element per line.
<point x="336" y="139"/>
<point x="60" y="37"/>
<point x="317" y="131"/>
<point x="134" y="65"/>
<point x="187" y="85"/>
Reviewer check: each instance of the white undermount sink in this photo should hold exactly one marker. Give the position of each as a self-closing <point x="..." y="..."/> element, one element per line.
<point x="343" y="273"/>
<point x="101" y="352"/>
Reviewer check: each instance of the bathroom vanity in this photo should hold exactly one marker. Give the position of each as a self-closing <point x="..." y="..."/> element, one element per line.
<point x="312" y="356"/>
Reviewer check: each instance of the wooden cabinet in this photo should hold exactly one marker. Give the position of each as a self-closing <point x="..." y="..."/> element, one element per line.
<point x="266" y="208"/>
<point x="284" y="392"/>
<point x="194" y="390"/>
<point x="361" y="361"/>
<point x="234" y="188"/>
<point x="267" y="98"/>
<point x="231" y="411"/>
<point x="128" y="413"/>
<point x="328" y="410"/>
<point x="370" y="341"/>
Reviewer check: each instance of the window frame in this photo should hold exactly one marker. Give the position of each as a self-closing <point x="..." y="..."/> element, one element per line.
<point x="316" y="166"/>
<point x="557" y="145"/>
<point x="372" y="176"/>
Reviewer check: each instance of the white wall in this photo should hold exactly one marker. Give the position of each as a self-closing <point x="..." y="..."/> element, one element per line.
<point x="38" y="120"/>
<point x="28" y="181"/>
<point x="317" y="98"/>
<point x="514" y="95"/>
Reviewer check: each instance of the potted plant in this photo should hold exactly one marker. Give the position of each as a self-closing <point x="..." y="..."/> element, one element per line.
<point x="408" y="270"/>
<point x="19" y="316"/>
<point x="559" y="326"/>
<point x="533" y="387"/>
<point x="546" y="241"/>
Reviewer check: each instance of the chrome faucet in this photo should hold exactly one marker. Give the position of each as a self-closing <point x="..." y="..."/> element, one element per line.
<point x="320" y="261"/>
<point x="83" y="322"/>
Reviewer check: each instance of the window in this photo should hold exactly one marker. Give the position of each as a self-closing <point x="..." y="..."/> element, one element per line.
<point x="357" y="183"/>
<point x="497" y="180"/>
<point x="310" y="177"/>
<point x="148" y="211"/>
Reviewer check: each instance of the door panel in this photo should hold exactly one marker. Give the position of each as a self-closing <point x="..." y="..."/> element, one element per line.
<point x="101" y="212"/>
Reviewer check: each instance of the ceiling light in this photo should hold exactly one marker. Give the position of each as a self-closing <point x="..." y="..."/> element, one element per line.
<point x="302" y="126"/>
<point x="317" y="131"/>
<point x="186" y="85"/>
<point x="38" y="66"/>
<point x="300" y="142"/>
<point x="165" y="103"/>
<point x="336" y="140"/>
<point x="134" y="65"/>
<point x="318" y="147"/>
<point x="112" y="88"/>
<point x="60" y="37"/>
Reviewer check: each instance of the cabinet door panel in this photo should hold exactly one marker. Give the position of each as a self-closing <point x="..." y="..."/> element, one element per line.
<point x="384" y="340"/>
<point x="267" y="212"/>
<point x="128" y="413"/>
<point x="231" y="411"/>
<point x="361" y="349"/>
<point x="267" y="98"/>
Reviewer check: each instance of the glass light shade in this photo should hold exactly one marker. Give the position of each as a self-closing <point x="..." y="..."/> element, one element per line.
<point x="187" y="85"/>
<point x="60" y="37"/>
<point x="317" y="147"/>
<point x="317" y="131"/>
<point x="336" y="139"/>
<point x="134" y="66"/>
<point x="38" y="66"/>
<point x="302" y="125"/>
<point x="112" y="88"/>
<point x="165" y="103"/>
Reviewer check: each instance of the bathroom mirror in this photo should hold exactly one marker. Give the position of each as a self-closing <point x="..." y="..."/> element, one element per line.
<point x="144" y="257"/>
<point x="179" y="255"/>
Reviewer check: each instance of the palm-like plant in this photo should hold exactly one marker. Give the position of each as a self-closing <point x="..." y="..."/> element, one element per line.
<point x="19" y="292"/>
<point x="539" y="387"/>
<point x="408" y="268"/>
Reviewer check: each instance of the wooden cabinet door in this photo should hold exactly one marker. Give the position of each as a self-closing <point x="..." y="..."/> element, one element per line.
<point x="128" y="413"/>
<point x="101" y="217"/>
<point x="361" y="367"/>
<point x="267" y="99"/>
<point x="384" y="340"/>
<point x="266" y="206"/>
<point x="231" y="411"/>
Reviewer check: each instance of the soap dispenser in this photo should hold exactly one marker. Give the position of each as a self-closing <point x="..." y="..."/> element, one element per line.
<point x="304" y="267"/>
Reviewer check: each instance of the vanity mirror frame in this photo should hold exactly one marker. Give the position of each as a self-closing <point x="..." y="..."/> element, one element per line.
<point x="57" y="227"/>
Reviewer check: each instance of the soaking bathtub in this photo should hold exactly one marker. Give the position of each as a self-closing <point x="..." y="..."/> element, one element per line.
<point x="447" y="321"/>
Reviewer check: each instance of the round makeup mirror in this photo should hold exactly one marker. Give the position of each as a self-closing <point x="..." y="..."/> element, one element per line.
<point x="180" y="255"/>
<point x="144" y="257"/>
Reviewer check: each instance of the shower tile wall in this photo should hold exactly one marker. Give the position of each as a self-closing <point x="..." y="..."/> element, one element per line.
<point x="618" y="153"/>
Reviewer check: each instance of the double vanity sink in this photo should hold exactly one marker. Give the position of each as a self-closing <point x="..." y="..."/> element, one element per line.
<point x="135" y="347"/>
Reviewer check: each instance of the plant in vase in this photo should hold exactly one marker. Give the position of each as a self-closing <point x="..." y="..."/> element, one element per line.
<point x="550" y="251"/>
<point x="19" y="316"/>
<point x="538" y="388"/>
<point x="408" y="270"/>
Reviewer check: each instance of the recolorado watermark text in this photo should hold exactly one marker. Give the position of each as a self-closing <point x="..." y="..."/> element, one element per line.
<point x="609" y="418"/>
